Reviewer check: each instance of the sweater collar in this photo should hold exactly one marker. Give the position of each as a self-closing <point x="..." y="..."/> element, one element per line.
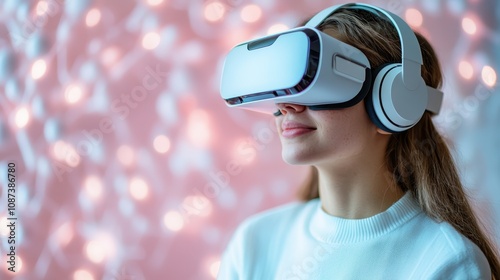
<point x="331" y="229"/>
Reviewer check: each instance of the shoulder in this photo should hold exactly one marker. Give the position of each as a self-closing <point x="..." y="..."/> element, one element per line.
<point x="276" y="221"/>
<point x="441" y="251"/>
<point x="440" y="236"/>
<point x="256" y="239"/>
<point x="277" y="217"/>
<point x="459" y="256"/>
<point x="456" y="243"/>
<point x="459" y="244"/>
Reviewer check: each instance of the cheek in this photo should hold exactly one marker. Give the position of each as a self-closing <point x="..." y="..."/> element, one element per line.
<point x="349" y="128"/>
<point x="357" y="120"/>
<point x="341" y="135"/>
<point x="338" y="123"/>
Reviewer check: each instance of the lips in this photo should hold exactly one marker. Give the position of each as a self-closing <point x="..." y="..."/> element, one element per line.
<point x="291" y="129"/>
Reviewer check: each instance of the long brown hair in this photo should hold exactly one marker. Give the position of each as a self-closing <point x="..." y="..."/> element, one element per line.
<point x="418" y="159"/>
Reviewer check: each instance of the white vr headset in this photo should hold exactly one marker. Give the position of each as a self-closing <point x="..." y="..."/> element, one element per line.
<point x="308" y="67"/>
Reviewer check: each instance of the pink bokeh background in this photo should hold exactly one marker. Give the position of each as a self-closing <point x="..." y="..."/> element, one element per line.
<point x="128" y="163"/>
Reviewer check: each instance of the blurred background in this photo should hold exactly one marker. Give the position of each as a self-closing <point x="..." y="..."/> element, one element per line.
<point x="128" y="163"/>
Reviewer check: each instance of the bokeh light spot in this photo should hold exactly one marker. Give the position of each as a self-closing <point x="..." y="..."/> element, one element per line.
<point x="151" y="40"/>
<point x="469" y="26"/>
<point x="73" y="93"/>
<point x="125" y="155"/>
<point x="4" y="230"/>
<point x="154" y="2"/>
<point x="42" y="7"/>
<point x="251" y="13"/>
<point x="100" y="248"/>
<point x="276" y="28"/>
<point x="161" y="144"/>
<point x="414" y="17"/>
<point x="110" y="56"/>
<point x="59" y="149"/>
<point x="38" y="69"/>
<point x="18" y="267"/>
<point x="20" y="264"/>
<point x="214" y="11"/>
<point x="173" y="221"/>
<point x="93" y="187"/>
<point x="22" y="117"/>
<point x="200" y="131"/>
<point x="66" y="152"/>
<point x="93" y="17"/>
<point x="214" y="268"/>
<point x="64" y="234"/>
<point x="138" y="188"/>
<point x="465" y="69"/>
<point x="82" y="274"/>
<point x="489" y="76"/>
<point x="95" y="252"/>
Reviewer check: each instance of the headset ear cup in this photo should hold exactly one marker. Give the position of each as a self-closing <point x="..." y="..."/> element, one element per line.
<point x="369" y="106"/>
<point x="396" y="107"/>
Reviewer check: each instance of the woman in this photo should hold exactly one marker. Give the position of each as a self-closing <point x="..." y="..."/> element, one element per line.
<point x="378" y="205"/>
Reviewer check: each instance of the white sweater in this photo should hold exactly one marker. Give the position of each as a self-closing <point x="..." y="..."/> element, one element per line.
<point x="301" y="241"/>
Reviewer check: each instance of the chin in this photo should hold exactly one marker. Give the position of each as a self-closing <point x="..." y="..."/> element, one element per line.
<point x="297" y="158"/>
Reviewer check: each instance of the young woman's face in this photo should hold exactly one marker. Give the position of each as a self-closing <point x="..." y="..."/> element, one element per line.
<point x="327" y="137"/>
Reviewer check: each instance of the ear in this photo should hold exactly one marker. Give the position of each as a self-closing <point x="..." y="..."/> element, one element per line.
<point x="381" y="131"/>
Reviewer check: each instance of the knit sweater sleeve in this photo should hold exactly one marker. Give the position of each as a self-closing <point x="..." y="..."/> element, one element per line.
<point x="252" y="252"/>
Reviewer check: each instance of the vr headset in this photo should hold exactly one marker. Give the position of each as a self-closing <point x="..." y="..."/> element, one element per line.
<point x="308" y="67"/>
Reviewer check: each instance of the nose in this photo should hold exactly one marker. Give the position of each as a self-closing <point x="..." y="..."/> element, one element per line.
<point x="285" y="108"/>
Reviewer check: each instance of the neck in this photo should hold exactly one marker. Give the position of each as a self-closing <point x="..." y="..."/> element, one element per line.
<point x="359" y="191"/>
